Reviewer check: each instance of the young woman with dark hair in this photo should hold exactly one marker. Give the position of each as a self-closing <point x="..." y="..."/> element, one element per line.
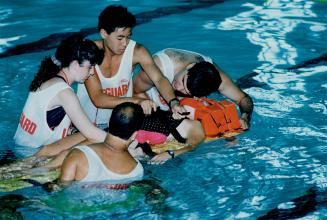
<point x="52" y="105"/>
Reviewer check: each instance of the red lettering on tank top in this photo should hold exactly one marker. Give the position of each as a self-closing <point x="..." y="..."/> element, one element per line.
<point x="117" y="91"/>
<point x="107" y="91"/>
<point x="27" y="125"/>
<point x="22" y="117"/>
<point x="32" y="128"/>
<point x="125" y="88"/>
<point x="64" y="131"/>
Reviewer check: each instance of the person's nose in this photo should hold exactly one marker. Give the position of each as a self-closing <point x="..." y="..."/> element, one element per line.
<point x="125" y="42"/>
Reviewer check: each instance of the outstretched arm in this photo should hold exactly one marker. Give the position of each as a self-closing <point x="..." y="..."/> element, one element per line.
<point x="244" y="101"/>
<point x="246" y="108"/>
<point x="143" y="57"/>
<point x="60" y="145"/>
<point x="69" y="101"/>
<point x="103" y="100"/>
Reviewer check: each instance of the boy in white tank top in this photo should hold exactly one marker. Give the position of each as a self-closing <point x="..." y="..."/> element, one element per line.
<point x="112" y="82"/>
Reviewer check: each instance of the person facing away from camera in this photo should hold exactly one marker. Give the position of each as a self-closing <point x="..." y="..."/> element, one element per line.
<point x="109" y="160"/>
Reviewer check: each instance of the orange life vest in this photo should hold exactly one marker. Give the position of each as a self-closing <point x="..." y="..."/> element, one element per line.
<point x="216" y="117"/>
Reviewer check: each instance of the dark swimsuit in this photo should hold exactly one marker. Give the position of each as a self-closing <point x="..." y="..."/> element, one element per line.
<point x="161" y="122"/>
<point x="56" y="115"/>
<point x="164" y="123"/>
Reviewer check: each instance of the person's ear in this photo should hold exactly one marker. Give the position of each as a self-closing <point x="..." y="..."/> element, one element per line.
<point x="74" y="64"/>
<point x="103" y="33"/>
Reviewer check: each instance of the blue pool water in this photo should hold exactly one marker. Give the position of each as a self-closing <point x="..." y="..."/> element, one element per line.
<point x="277" y="47"/>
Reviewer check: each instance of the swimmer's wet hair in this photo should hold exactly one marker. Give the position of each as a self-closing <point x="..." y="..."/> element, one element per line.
<point x="126" y="118"/>
<point x="74" y="47"/>
<point x="115" y="16"/>
<point x="203" y="79"/>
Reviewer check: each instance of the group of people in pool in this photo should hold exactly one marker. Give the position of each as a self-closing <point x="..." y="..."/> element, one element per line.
<point x="110" y="97"/>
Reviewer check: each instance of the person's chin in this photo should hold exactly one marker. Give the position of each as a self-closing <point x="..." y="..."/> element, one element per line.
<point x="120" y="51"/>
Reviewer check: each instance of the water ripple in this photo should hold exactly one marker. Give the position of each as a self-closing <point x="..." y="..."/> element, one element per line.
<point x="4" y="13"/>
<point x="303" y="131"/>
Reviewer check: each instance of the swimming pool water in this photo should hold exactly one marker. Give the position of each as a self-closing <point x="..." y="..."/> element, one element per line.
<point x="264" y="42"/>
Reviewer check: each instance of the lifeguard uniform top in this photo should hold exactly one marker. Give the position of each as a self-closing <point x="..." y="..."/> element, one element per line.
<point x="33" y="129"/>
<point x="120" y="85"/>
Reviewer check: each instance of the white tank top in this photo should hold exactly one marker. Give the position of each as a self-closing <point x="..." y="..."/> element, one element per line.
<point x="167" y="68"/>
<point x="120" y="85"/>
<point x="97" y="171"/>
<point x="33" y="130"/>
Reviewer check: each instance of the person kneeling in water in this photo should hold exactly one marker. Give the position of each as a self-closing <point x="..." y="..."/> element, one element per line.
<point x="109" y="160"/>
<point x="161" y="122"/>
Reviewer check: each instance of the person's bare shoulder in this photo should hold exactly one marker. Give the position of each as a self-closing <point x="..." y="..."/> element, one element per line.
<point x="50" y="82"/>
<point x="75" y="156"/>
<point x="139" y="49"/>
<point x="141" y="54"/>
<point x="75" y="166"/>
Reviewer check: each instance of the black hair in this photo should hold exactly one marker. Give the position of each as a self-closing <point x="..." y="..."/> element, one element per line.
<point x="126" y="118"/>
<point x="72" y="48"/>
<point x="115" y="16"/>
<point x="203" y="79"/>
